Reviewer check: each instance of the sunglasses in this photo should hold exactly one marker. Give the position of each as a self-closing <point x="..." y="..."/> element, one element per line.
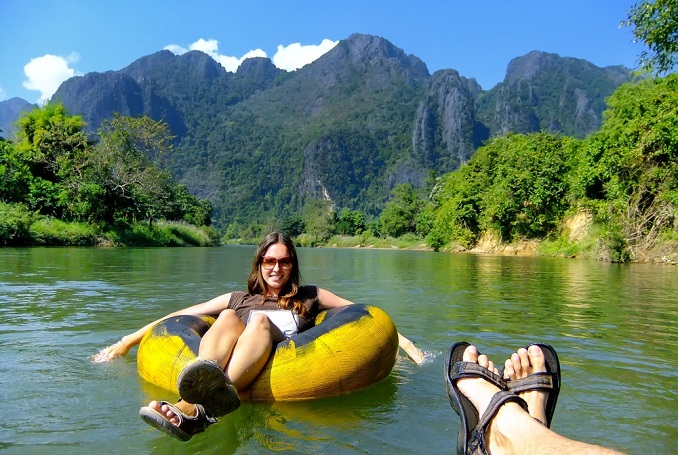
<point x="269" y="262"/>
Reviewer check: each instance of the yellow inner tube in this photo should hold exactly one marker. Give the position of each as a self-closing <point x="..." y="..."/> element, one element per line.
<point x="349" y="348"/>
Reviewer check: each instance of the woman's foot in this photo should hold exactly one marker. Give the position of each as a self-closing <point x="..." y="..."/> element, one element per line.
<point x="522" y="364"/>
<point x="183" y="406"/>
<point x="181" y="420"/>
<point x="204" y="382"/>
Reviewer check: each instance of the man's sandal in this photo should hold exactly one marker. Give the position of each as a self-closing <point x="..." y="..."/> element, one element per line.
<point x="471" y="438"/>
<point x="548" y="381"/>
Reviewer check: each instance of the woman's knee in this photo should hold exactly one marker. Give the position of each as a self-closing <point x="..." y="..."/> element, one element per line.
<point x="228" y="319"/>
<point x="259" y="322"/>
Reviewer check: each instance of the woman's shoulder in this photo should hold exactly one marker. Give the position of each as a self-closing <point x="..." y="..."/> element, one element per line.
<point x="240" y="297"/>
<point x="308" y="291"/>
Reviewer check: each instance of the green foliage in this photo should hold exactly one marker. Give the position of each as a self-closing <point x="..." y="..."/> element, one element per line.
<point x="68" y="186"/>
<point x="655" y="23"/>
<point x="15" y="223"/>
<point x="319" y="219"/>
<point x="53" y="232"/>
<point x="527" y="195"/>
<point x="350" y="222"/>
<point x="15" y="174"/>
<point x="632" y="166"/>
<point x="400" y="214"/>
<point x="168" y="234"/>
<point x="293" y="225"/>
<point x="515" y="186"/>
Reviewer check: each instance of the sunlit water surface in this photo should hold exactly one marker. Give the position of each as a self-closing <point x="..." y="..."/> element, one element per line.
<point x="614" y="327"/>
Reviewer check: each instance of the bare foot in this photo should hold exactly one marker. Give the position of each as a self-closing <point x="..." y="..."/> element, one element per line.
<point x="480" y="393"/>
<point x="522" y="364"/>
<point x="186" y="408"/>
<point x="478" y="390"/>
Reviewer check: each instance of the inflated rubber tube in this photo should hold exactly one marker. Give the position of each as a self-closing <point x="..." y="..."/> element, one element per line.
<point x="348" y="349"/>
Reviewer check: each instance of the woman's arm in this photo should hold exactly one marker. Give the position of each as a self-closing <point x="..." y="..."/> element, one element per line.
<point x="122" y="347"/>
<point x="329" y="300"/>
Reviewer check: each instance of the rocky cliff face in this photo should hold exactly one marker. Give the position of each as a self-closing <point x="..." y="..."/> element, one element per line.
<point x="547" y="92"/>
<point x="444" y="122"/>
<point x="10" y="111"/>
<point x="348" y="127"/>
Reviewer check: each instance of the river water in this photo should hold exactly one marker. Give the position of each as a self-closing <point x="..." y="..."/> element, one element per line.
<point x="614" y="327"/>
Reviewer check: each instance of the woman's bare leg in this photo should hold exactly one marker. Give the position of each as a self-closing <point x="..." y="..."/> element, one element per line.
<point x="251" y="351"/>
<point x="220" y="340"/>
<point x="241" y="350"/>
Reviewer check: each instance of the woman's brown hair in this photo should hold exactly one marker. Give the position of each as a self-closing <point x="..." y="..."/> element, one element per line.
<point x="257" y="285"/>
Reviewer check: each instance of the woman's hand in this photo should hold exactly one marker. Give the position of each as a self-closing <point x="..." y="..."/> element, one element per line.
<point x="413" y="353"/>
<point x="118" y="349"/>
<point x="416" y="355"/>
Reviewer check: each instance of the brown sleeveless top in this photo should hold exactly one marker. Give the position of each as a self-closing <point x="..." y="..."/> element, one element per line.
<point x="244" y="303"/>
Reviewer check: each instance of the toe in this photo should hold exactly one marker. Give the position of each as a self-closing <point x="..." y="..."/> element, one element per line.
<point x="509" y="372"/>
<point x="483" y="361"/>
<point x="524" y="360"/>
<point x="470" y="354"/>
<point x="536" y="358"/>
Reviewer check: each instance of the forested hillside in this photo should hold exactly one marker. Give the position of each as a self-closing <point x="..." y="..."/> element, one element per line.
<point x="264" y="145"/>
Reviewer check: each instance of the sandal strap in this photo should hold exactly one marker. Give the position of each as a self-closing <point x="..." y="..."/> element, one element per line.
<point x="473" y="370"/>
<point x="536" y="381"/>
<point x="477" y="442"/>
<point x="192" y="424"/>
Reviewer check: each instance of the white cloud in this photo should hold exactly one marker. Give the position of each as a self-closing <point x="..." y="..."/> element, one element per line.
<point x="295" y="55"/>
<point x="211" y="48"/>
<point x="45" y="74"/>
<point x="289" y="58"/>
<point x="175" y="49"/>
<point x="2" y="94"/>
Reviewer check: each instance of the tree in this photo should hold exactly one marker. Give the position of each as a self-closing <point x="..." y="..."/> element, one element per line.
<point x="55" y="147"/>
<point x="633" y="164"/>
<point x="319" y="219"/>
<point x="400" y="213"/>
<point x="127" y="157"/>
<point x="656" y="24"/>
<point x="350" y="222"/>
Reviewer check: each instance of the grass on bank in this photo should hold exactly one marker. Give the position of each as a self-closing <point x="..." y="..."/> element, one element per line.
<point x="19" y="227"/>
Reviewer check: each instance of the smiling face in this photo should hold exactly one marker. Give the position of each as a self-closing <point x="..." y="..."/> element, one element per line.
<point x="277" y="276"/>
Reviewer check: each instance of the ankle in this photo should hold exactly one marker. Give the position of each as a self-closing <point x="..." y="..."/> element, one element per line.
<point x="504" y="428"/>
<point x="187" y="408"/>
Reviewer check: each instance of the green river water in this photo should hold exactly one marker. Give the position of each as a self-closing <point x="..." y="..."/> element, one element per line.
<point x="614" y="327"/>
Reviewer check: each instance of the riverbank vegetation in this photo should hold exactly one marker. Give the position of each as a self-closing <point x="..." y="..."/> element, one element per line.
<point x="59" y="188"/>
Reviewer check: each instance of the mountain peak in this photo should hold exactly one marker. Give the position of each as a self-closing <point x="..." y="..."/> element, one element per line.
<point x="375" y="60"/>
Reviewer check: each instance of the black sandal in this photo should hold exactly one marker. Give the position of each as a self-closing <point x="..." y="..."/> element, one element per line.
<point x="548" y="381"/>
<point x="204" y="382"/>
<point x="188" y="426"/>
<point x="471" y="438"/>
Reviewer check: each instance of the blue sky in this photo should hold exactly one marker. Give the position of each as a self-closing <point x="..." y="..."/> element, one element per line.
<point x="43" y="42"/>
